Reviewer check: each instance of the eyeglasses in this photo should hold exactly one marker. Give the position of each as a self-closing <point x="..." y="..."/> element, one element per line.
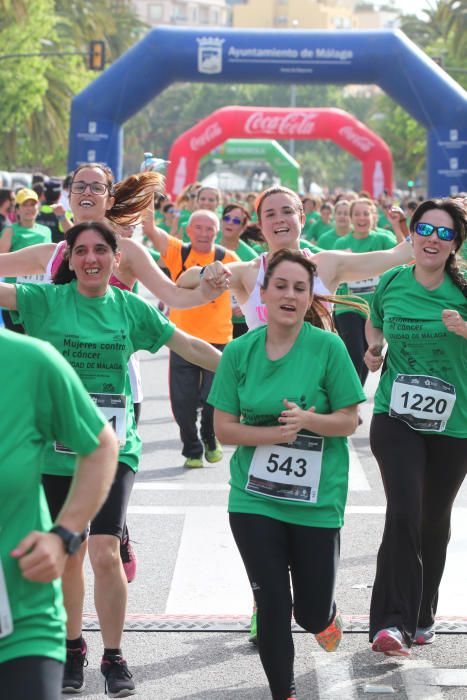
<point x="231" y="219"/>
<point x="79" y="187"/>
<point x="443" y="232"/>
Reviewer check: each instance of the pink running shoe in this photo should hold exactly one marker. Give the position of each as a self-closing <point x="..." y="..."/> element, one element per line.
<point x="390" y="642"/>
<point x="128" y="556"/>
<point x="424" y="635"/>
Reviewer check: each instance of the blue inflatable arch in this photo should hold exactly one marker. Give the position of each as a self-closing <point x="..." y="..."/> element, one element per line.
<point x="172" y="54"/>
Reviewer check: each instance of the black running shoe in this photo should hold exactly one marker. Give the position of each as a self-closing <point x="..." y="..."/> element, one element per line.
<point x="118" y="679"/>
<point x="73" y="674"/>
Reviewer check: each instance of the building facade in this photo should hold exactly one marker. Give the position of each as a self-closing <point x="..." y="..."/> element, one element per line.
<point x="189" y="13"/>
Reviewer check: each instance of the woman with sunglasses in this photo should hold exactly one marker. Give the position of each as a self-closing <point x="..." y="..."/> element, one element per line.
<point x="419" y="428"/>
<point x="234" y="220"/>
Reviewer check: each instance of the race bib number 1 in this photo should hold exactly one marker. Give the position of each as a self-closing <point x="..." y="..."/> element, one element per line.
<point x="6" y="620"/>
<point x="287" y="471"/>
<point x="423" y="402"/>
<point x="113" y="406"/>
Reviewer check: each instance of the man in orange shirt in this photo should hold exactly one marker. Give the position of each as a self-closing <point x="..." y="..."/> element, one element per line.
<point x="189" y="384"/>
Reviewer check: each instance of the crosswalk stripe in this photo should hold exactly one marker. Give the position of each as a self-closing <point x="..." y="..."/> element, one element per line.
<point x="209" y="576"/>
<point x="334" y="677"/>
<point x="357" y="478"/>
<point x="417" y="676"/>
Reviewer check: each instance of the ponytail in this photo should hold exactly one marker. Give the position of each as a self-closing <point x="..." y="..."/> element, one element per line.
<point x="133" y="195"/>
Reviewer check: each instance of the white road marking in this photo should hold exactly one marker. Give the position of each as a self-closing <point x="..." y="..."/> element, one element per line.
<point x="452" y="596"/>
<point x="416" y="675"/>
<point x="357" y="478"/>
<point x="209" y="577"/>
<point x="334" y="677"/>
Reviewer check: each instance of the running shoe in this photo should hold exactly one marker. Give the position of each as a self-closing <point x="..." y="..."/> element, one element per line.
<point x="118" y="679"/>
<point x="424" y="635"/>
<point x="213" y="450"/>
<point x="253" y="637"/>
<point x="391" y="642"/>
<point x="193" y="463"/>
<point x="330" y="638"/>
<point x="128" y="556"/>
<point x="73" y="673"/>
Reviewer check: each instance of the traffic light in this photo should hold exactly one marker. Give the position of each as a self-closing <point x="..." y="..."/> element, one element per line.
<point x="410" y="184"/>
<point x="96" y="55"/>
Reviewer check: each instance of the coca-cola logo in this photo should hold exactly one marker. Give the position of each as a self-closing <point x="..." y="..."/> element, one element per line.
<point x="362" y="142"/>
<point x="292" y="124"/>
<point x="209" y="134"/>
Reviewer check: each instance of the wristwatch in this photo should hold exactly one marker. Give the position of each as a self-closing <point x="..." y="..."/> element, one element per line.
<point x="71" y="540"/>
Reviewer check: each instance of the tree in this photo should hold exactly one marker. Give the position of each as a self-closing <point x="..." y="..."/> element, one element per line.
<point x="37" y="92"/>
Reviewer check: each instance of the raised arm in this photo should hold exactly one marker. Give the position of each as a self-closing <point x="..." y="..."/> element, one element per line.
<point x="240" y="276"/>
<point x="335" y="266"/>
<point x="158" y="237"/>
<point x="5" y="240"/>
<point x="8" y="296"/>
<point x="28" y="261"/>
<point x="194" y="350"/>
<point x="138" y="264"/>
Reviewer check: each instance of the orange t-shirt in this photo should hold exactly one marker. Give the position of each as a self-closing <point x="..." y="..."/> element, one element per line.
<point x="211" y="321"/>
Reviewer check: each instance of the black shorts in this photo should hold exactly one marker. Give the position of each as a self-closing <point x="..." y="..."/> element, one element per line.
<point x="111" y="518"/>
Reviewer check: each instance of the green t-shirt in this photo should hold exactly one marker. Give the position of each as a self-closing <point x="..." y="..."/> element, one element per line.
<point x="363" y="288"/>
<point x="318" y="229"/>
<point x="96" y="335"/>
<point x="23" y="237"/>
<point x="41" y="400"/>
<point x="420" y="346"/>
<point x="318" y="372"/>
<point x="329" y="239"/>
<point x="310" y="219"/>
<point x="307" y="244"/>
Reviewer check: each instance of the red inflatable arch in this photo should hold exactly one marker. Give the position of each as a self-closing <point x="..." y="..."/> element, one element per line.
<point x="281" y="123"/>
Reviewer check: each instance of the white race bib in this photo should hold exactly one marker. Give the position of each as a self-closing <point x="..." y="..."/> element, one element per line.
<point x="363" y="286"/>
<point x="287" y="471"/>
<point x="31" y="279"/>
<point x="6" y="620"/>
<point x="421" y="401"/>
<point x="113" y="406"/>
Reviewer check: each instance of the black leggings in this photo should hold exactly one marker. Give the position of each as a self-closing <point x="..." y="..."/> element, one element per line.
<point x="421" y="476"/>
<point x="351" y="328"/>
<point x="273" y="551"/>
<point x="31" y="677"/>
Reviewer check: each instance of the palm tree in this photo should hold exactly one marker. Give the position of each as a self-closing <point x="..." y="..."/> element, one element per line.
<point x="442" y="27"/>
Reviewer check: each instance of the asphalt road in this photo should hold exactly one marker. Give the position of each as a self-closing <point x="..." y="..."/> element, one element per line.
<point x="190" y="603"/>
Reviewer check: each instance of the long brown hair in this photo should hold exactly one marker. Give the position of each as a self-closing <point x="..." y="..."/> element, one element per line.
<point x="132" y="195"/>
<point x="318" y="313"/>
<point x="457" y="213"/>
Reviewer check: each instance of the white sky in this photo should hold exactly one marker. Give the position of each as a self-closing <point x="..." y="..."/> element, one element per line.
<point x="414" y="7"/>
